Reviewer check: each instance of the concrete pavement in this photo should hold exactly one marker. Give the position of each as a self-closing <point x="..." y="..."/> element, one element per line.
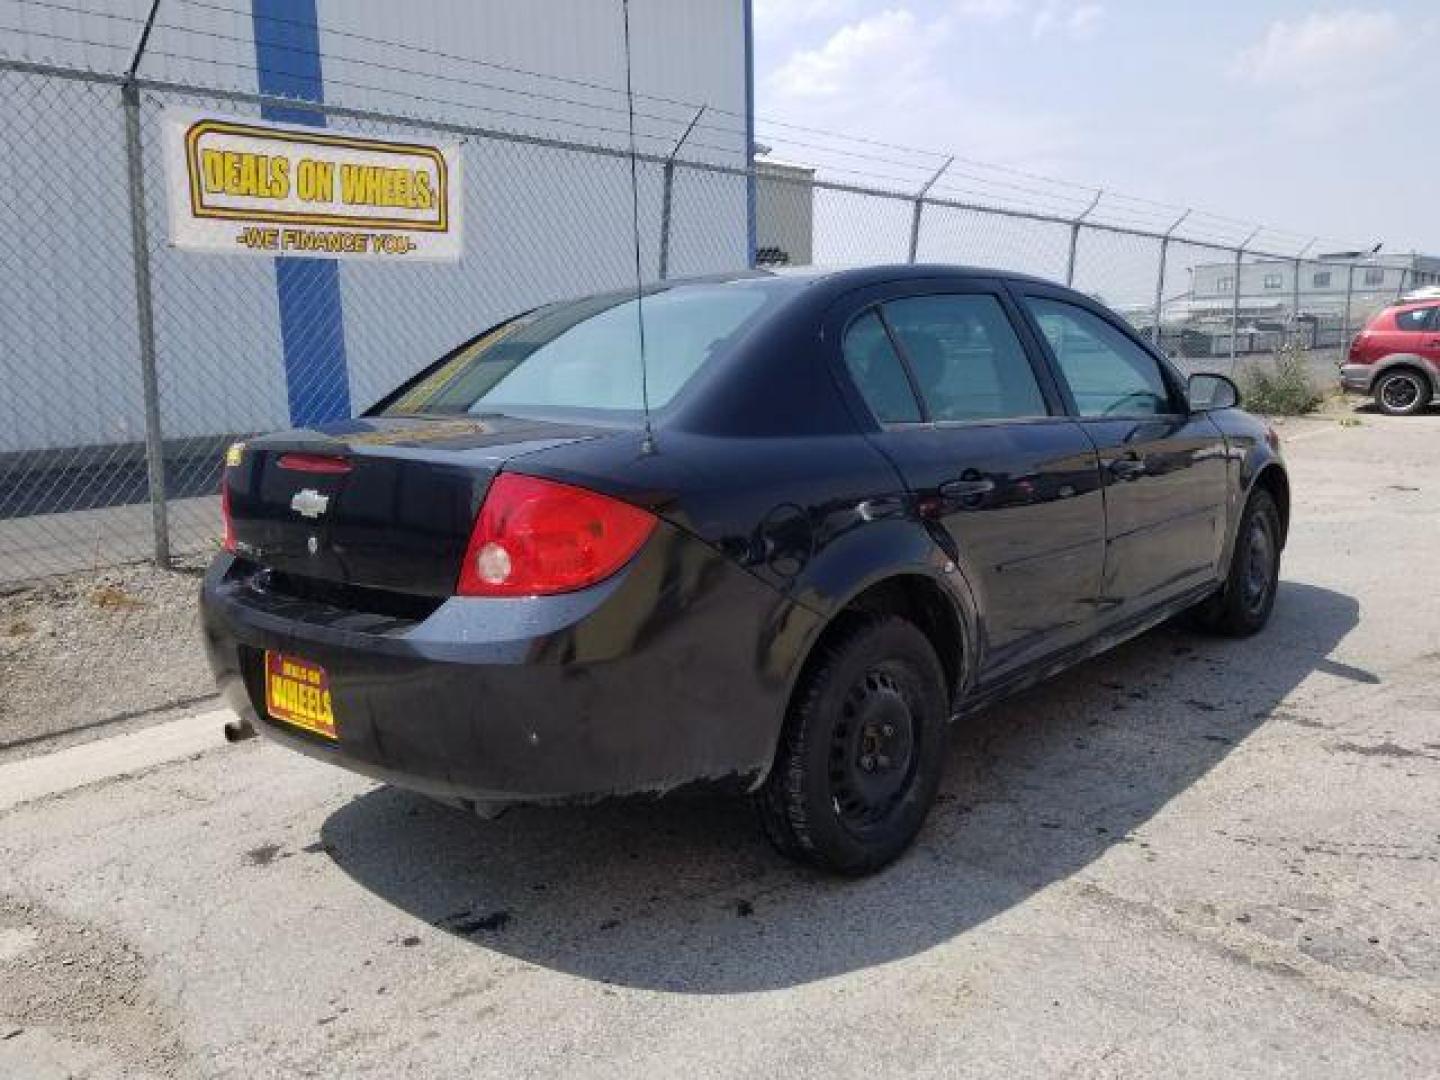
<point x="1190" y="857"/>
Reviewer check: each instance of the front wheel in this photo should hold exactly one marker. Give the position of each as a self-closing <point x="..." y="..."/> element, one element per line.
<point x="1402" y="392"/>
<point x="1242" y="606"/>
<point x="860" y="758"/>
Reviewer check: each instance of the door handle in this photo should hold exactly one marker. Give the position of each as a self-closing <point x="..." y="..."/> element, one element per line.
<point x="1127" y="468"/>
<point x="966" y="489"/>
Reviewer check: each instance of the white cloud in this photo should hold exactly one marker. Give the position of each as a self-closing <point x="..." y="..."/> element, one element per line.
<point x="776" y="18"/>
<point x="1078" y="21"/>
<point x="890" y="76"/>
<point x="893" y="40"/>
<point x="988" y="10"/>
<point x="1074" y="19"/>
<point x="1323" y="47"/>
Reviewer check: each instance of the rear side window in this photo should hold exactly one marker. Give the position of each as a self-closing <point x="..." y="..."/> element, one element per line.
<point x="878" y="373"/>
<point x="967" y="361"/>
<point x="1418" y="319"/>
<point x="1108" y="373"/>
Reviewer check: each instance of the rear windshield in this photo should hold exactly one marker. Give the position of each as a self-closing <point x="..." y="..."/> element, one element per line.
<point x="585" y="354"/>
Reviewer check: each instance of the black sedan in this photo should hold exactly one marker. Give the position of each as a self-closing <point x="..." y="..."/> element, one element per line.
<point x="829" y="515"/>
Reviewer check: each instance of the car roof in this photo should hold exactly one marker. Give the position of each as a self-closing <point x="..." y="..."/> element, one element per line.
<point x="845" y="278"/>
<point x="825" y="284"/>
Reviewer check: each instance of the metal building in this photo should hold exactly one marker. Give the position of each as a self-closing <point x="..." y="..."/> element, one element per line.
<point x="245" y="344"/>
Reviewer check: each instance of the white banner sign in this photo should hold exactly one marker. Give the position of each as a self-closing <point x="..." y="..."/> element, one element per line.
<point x="250" y="187"/>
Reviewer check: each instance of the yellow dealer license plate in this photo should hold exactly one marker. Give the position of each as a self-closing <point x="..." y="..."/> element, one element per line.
<point x="298" y="692"/>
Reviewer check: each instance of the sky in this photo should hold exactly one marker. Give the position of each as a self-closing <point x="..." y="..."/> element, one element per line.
<point x="1298" y="114"/>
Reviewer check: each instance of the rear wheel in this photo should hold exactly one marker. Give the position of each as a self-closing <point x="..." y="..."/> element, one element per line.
<point x="860" y="758"/>
<point x="1242" y="607"/>
<point x="1402" y="392"/>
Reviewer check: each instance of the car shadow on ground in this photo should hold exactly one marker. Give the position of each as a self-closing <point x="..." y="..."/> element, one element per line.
<point x="683" y="894"/>
<point x="1367" y="407"/>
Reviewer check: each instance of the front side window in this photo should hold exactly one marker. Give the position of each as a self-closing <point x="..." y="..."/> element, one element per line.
<point x="1108" y="373"/>
<point x="585" y="354"/>
<point x="966" y="358"/>
<point x="878" y="373"/>
<point x="1225" y="285"/>
<point x="1375" y="275"/>
<point x="1273" y="281"/>
<point x="1418" y="319"/>
<point x="1321" y="280"/>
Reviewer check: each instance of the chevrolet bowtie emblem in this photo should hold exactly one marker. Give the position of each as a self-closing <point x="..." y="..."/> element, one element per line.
<point x="309" y="503"/>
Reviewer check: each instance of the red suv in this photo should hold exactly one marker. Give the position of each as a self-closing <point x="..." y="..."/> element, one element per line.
<point x="1396" y="358"/>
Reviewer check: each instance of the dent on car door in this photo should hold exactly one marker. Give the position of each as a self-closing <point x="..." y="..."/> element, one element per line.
<point x="1009" y="489"/>
<point x="1164" y="469"/>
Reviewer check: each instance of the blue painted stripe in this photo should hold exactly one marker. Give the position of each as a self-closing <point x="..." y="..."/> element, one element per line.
<point x="749" y="133"/>
<point x="312" y="323"/>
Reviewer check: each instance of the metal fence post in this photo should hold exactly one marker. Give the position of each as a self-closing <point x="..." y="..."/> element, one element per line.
<point x="144" y="299"/>
<point x="1345" y="320"/>
<point x="1160" y="275"/>
<point x="1235" y="300"/>
<point x="667" y="195"/>
<point x="1075" y="236"/>
<point x="1295" y="293"/>
<point x="920" y="206"/>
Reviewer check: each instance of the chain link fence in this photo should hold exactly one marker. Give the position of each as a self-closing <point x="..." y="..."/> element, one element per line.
<point x="130" y="365"/>
<point x="127" y="376"/>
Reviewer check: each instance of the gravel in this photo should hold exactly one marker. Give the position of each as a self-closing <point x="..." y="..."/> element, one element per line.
<point x="93" y="653"/>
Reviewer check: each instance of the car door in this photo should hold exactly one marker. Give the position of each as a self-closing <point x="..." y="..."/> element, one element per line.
<point x="1164" y="470"/>
<point x="1008" y="484"/>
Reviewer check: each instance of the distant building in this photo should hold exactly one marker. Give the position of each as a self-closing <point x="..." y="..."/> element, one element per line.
<point x="784" y="214"/>
<point x="1199" y="321"/>
<point x="1324" y="283"/>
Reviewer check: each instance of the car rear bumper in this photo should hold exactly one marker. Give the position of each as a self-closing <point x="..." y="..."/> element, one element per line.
<point x="1357" y="377"/>
<point x="675" y="671"/>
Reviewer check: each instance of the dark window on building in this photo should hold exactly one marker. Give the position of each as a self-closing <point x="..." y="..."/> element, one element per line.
<point x="1321" y="280"/>
<point x="1374" y="275"/>
<point x="1274" y="281"/>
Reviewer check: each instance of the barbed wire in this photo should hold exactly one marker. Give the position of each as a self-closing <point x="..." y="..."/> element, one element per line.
<point x="988" y="183"/>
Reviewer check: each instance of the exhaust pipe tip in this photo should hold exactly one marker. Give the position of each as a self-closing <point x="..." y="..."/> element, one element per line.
<point x="239" y="730"/>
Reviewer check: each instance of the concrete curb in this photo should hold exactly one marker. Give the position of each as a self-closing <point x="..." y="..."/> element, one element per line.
<point x="92" y="762"/>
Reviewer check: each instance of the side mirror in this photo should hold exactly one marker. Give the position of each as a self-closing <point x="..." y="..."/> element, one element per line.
<point x="1209" y="393"/>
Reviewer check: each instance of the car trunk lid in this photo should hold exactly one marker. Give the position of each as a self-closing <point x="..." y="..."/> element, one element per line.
<point x="380" y="503"/>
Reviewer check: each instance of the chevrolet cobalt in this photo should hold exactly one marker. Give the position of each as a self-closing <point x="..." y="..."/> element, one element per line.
<point x="783" y="540"/>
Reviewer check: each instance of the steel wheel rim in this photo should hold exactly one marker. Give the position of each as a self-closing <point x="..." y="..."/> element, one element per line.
<point x="1259" y="573"/>
<point x="1401" y="392"/>
<point x="874" y="749"/>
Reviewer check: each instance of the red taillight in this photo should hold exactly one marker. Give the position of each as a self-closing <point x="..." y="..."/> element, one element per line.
<point x="234" y="455"/>
<point x="534" y="537"/>
<point x="227" y="538"/>
<point x="1363" y="349"/>
<point x="314" y="463"/>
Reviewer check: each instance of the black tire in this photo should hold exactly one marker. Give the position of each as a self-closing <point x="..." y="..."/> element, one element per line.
<point x="1402" y="391"/>
<point x="1242" y="606"/>
<point x="860" y="757"/>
